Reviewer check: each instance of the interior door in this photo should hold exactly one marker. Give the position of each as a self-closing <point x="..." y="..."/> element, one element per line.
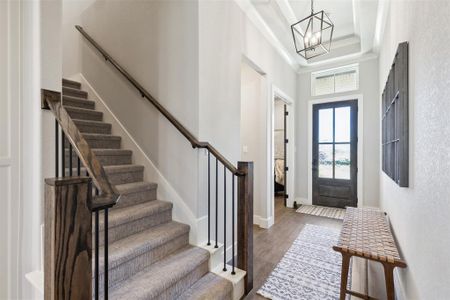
<point x="334" y="165"/>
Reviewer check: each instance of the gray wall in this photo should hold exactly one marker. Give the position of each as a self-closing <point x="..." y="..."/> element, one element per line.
<point x="420" y="214"/>
<point x="157" y="42"/>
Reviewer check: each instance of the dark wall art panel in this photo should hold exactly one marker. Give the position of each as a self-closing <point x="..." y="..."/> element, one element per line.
<point x="395" y="124"/>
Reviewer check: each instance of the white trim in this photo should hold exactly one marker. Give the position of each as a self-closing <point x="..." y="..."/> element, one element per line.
<point x="383" y="11"/>
<point x="360" y="185"/>
<point x="263" y="222"/>
<point x="181" y="212"/>
<point x="339" y="61"/>
<point x="270" y="203"/>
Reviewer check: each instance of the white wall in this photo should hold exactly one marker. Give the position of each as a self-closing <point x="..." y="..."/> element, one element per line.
<point x="188" y="54"/>
<point x="227" y="37"/>
<point x="157" y="42"/>
<point x="420" y="214"/>
<point x="253" y="134"/>
<point x="368" y="83"/>
<point x="72" y="42"/>
<point x="30" y="55"/>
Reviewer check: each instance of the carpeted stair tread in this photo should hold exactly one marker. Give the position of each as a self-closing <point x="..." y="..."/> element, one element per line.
<point x="105" y="141"/>
<point x="101" y="141"/>
<point x="134" y="187"/>
<point x="71" y="83"/>
<point x="136" y="192"/>
<point x="78" y="102"/>
<point x="84" y="114"/>
<point x="107" y="157"/>
<point x="68" y="91"/>
<point x="210" y="286"/>
<point x="123" y="174"/>
<point x="165" y="279"/>
<point x="119" y="216"/>
<point x="137" y="244"/>
<point x="110" y="157"/>
<point x="88" y="126"/>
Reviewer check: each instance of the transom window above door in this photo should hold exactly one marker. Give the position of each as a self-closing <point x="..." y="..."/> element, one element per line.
<point x="338" y="80"/>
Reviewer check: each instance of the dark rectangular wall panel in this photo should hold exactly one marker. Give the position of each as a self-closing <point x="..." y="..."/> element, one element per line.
<point x="395" y="121"/>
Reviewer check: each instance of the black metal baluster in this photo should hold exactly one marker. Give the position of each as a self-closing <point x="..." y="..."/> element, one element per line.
<point x="224" y="219"/>
<point x="106" y="255"/>
<point x="70" y="159"/>
<point x="209" y="198"/>
<point x="63" y="156"/>
<point x="78" y="166"/>
<point x="56" y="148"/>
<point x="97" y="242"/>
<point x="232" y="226"/>
<point x="217" y="199"/>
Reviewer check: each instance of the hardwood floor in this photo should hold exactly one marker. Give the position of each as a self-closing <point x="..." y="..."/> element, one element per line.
<point x="271" y="244"/>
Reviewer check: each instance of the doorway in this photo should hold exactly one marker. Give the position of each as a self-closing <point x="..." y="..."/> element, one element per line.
<point x="280" y="151"/>
<point x="335" y="154"/>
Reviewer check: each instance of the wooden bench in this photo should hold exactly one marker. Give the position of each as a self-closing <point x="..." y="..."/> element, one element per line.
<point x="365" y="233"/>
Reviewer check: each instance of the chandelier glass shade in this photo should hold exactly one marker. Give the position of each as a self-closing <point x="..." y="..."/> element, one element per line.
<point x="313" y="34"/>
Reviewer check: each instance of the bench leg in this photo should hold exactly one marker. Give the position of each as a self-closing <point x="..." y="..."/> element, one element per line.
<point x="344" y="275"/>
<point x="389" y="278"/>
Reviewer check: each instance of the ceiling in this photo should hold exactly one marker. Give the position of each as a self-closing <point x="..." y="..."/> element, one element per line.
<point x="356" y="26"/>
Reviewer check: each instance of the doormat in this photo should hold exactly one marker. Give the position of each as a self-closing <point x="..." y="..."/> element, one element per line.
<point x="310" y="269"/>
<point x="322" y="211"/>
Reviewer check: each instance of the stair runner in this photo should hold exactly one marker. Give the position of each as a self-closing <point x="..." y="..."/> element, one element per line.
<point x="149" y="253"/>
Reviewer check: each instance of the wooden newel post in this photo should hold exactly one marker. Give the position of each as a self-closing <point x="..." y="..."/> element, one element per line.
<point x="68" y="239"/>
<point x="245" y="223"/>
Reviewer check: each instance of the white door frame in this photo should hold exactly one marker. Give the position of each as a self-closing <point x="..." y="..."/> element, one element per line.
<point x="360" y="160"/>
<point x="277" y="93"/>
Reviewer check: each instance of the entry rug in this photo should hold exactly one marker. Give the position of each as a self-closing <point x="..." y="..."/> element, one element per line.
<point x="310" y="269"/>
<point x="322" y="211"/>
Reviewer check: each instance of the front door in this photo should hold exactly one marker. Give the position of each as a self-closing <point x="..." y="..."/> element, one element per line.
<point x="334" y="165"/>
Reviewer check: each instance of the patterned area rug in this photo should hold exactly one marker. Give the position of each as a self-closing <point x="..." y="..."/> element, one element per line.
<point x="322" y="211"/>
<point x="310" y="269"/>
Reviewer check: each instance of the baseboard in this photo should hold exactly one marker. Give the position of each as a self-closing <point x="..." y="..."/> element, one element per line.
<point x="301" y="200"/>
<point x="262" y="222"/>
<point x="181" y="212"/>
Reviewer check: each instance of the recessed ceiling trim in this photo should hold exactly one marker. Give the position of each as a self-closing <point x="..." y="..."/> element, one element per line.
<point x="339" y="61"/>
<point x="383" y="11"/>
<point x="250" y="11"/>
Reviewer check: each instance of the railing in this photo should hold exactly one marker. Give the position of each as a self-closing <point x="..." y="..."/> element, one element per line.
<point x="102" y="197"/>
<point x="244" y="173"/>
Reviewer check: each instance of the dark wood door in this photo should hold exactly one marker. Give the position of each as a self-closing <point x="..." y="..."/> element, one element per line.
<point x="334" y="165"/>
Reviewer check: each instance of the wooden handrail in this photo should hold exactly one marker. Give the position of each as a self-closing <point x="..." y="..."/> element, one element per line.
<point x="145" y="94"/>
<point x="109" y="195"/>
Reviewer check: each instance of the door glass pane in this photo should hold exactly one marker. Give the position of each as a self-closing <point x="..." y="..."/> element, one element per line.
<point x="342" y="161"/>
<point x="326" y="125"/>
<point x="326" y="161"/>
<point x="342" y="123"/>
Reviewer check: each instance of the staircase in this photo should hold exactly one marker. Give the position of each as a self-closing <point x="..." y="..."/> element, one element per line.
<point x="149" y="253"/>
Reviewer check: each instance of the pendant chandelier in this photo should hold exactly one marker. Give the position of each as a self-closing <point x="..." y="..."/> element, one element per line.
<point x="312" y="35"/>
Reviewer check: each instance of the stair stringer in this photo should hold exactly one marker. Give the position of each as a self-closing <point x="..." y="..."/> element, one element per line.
<point x="181" y="212"/>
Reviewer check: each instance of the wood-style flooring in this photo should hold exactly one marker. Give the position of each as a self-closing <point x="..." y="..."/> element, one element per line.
<point x="271" y="244"/>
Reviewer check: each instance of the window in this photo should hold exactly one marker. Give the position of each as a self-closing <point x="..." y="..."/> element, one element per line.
<point x="339" y="80"/>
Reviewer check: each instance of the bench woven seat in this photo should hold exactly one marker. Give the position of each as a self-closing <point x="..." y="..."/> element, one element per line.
<point x="366" y="233"/>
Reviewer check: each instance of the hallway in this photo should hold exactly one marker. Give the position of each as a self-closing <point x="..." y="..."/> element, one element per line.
<point x="271" y="244"/>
